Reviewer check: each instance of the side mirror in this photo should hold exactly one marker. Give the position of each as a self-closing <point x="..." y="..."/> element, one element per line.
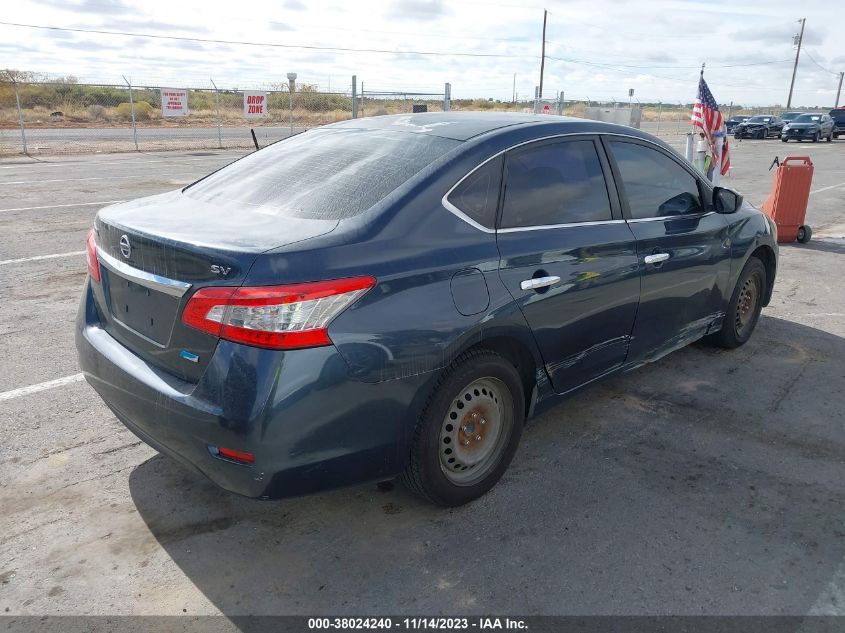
<point x="726" y="200"/>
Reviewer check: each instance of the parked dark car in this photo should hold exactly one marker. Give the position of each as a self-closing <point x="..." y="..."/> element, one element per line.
<point x="396" y="295"/>
<point x="838" y="116"/>
<point x="808" y="127"/>
<point x="731" y="123"/>
<point x="786" y="117"/>
<point x="761" y="126"/>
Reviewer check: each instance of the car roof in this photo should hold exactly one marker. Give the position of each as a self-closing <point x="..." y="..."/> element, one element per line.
<point x="462" y="126"/>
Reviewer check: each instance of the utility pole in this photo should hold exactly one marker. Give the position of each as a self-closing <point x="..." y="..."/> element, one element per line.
<point x="514" y="87"/>
<point x="543" y="52"/>
<point x="839" y="90"/>
<point x="795" y="67"/>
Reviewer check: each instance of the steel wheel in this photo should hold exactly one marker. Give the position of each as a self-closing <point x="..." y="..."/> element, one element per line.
<point x="746" y="307"/>
<point x="475" y="430"/>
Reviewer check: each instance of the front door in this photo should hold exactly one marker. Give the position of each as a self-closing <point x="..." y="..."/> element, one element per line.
<point x="683" y="248"/>
<point x="568" y="258"/>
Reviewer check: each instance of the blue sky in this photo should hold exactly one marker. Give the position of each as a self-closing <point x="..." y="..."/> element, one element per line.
<point x="596" y="48"/>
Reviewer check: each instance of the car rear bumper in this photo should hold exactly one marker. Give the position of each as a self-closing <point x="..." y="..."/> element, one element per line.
<point x="309" y="425"/>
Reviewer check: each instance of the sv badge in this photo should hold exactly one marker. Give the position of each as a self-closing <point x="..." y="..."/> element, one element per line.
<point x="220" y="270"/>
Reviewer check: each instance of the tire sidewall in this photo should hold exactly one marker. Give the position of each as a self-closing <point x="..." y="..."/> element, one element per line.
<point x="752" y="266"/>
<point x="487" y="365"/>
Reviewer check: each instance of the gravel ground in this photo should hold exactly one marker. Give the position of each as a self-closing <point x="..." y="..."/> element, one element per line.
<point x="710" y="482"/>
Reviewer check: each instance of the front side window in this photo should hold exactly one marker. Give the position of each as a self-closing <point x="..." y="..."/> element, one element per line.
<point x="477" y="195"/>
<point x="558" y="183"/>
<point x="654" y="184"/>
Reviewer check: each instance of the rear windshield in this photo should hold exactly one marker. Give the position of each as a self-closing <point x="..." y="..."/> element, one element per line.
<point x="808" y="118"/>
<point x="838" y="115"/>
<point x="323" y="174"/>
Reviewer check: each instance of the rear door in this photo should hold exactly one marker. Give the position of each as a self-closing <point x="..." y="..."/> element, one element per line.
<point x="683" y="247"/>
<point x="568" y="258"/>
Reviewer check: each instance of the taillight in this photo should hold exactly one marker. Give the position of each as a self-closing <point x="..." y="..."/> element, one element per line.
<point x="91" y="254"/>
<point x="275" y="317"/>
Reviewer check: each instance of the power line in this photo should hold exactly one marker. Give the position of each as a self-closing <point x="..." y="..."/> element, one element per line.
<point x="336" y="49"/>
<point x="813" y="59"/>
<point x="650" y="66"/>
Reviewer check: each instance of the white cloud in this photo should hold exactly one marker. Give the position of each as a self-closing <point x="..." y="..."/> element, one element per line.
<point x="596" y="48"/>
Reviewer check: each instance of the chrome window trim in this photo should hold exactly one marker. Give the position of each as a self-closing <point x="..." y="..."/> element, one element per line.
<point x="170" y="287"/>
<point x="566" y="225"/>
<point x="673" y="217"/>
<point x="463" y="216"/>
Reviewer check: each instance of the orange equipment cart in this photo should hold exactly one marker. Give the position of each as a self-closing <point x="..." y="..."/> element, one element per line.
<point x="787" y="204"/>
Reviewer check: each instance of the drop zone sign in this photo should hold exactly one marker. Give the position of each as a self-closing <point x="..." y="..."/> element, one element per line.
<point x="255" y="104"/>
<point x="174" y="102"/>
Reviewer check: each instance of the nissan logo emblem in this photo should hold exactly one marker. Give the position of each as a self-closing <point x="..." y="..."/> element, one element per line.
<point x="125" y="246"/>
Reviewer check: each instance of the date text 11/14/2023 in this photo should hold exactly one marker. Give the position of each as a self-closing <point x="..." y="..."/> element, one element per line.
<point x="417" y="624"/>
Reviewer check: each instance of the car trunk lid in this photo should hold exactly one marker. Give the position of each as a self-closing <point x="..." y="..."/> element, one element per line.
<point x="156" y="252"/>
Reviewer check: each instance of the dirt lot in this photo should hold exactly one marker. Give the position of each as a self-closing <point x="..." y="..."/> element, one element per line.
<point x="708" y="483"/>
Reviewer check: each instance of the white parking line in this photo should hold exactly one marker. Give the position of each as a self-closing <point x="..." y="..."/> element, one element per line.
<point x="841" y="184"/>
<point x="41" y="386"/>
<point x="831" y="600"/>
<point x="62" y="206"/>
<point x="141" y="175"/>
<point x="39" y="257"/>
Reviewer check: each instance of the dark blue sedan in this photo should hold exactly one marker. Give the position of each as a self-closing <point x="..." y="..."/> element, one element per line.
<point x="397" y="295"/>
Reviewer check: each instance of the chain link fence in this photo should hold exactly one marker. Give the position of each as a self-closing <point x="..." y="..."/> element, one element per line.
<point x="66" y="117"/>
<point x="62" y="116"/>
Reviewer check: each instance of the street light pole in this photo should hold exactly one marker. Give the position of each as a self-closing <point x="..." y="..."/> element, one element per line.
<point x="839" y="90"/>
<point x="795" y="67"/>
<point x="543" y="54"/>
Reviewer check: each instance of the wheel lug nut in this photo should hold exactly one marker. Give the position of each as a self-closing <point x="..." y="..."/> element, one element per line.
<point x="483" y="421"/>
<point x="466" y="442"/>
<point x="477" y="438"/>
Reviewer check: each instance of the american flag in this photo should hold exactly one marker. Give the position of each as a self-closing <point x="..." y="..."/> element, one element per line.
<point x="706" y="115"/>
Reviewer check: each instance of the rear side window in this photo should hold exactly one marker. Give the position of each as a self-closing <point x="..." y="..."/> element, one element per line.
<point x="654" y="184"/>
<point x="477" y="196"/>
<point x="329" y="174"/>
<point x="556" y="183"/>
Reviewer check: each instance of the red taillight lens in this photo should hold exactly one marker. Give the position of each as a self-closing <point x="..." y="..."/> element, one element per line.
<point x="275" y="317"/>
<point x="91" y="254"/>
<point x="236" y="456"/>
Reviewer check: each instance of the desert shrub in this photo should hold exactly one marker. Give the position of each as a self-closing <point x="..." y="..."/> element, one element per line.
<point x="143" y="111"/>
<point x="96" y="112"/>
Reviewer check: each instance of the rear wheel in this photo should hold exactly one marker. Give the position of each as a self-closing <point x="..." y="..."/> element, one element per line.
<point x="469" y="431"/>
<point x="744" y="308"/>
<point x="804" y="234"/>
<point x="784" y="139"/>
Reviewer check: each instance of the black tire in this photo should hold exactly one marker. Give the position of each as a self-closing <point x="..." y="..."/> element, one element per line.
<point x="829" y="136"/>
<point x="805" y="234"/>
<point x="435" y="445"/>
<point x="763" y="134"/>
<point x="816" y="137"/>
<point x="743" y="312"/>
<point x="784" y="139"/>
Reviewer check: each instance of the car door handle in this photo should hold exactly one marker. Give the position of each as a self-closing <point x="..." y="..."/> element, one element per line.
<point x="539" y="282"/>
<point x="656" y="258"/>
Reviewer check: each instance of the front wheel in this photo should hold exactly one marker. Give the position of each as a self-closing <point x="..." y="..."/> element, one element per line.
<point x="816" y="137"/>
<point x="744" y="307"/>
<point x="468" y="433"/>
<point x="829" y="136"/>
<point x="784" y="139"/>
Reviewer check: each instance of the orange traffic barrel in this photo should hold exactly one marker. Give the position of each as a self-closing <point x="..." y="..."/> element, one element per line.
<point x="787" y="204"/>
